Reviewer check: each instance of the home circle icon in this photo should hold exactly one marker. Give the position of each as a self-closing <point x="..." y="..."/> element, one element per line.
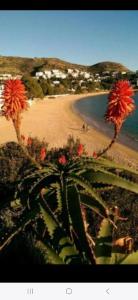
<point x="68" y="291"/>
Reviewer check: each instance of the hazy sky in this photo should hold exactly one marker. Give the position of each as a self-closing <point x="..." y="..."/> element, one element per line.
<point x="84" y="37"/>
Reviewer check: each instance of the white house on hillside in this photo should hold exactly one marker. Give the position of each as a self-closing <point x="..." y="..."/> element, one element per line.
<point x="39" y="74"/>
<point x="59" y="74"/>
<point x="5" y="76"/>
<point x="70" y="71"/>
<point x="51" y="73"/>
<point x="56" y="82"/>
<point x="48" y="74"/>
<point x="87" y="75"/>
<point x="74" y="75"/>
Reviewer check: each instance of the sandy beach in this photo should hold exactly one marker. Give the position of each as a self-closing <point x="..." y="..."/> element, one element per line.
<point x="55" y="119"/>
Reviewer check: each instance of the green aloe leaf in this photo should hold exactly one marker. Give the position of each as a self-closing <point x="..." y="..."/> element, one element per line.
<point x="88" y="188"/>
<point x="57" y="192"/>
<point x="61" y="241"/>
<point x="108" y="164"/>
<point x="49" y="254"/>
<point x="50" y="221"/>
<point x="117" y="258"/>
<point x="91" y="203"/>
<point x="42" y="182"/>
<point x="113" y="165"/>
<point x="131" y="259"/>
<point x="115" y="180"/>
<point x="103" y="247"/>
<point x="68" y="252"/>
<point x="25" y="219"/>
<point x="77" y="221"/>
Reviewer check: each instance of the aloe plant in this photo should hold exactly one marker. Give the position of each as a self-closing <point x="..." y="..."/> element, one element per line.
<point x="59" y="192"/>
<point x="107" y="252"/>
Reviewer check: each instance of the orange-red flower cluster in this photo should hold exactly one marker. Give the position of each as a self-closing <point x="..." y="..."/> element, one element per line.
<point x="94" y="154"/>
<point x="62" y="160"/>
<point x="43" y="153"/>
<point x="22" y="137"/>
<point x="120" y="103"/>
<point x="14" y="99"/>
<point x="80" y="150"/>
<point x="29" y="141"/>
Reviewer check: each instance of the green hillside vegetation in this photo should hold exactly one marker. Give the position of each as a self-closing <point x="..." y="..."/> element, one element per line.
<point x="16" y="65"/>
<point x="33" y="88"/>
<point x="108" y="66"/>
<point x="24" y="65"/>
<point x="55" y="63"/>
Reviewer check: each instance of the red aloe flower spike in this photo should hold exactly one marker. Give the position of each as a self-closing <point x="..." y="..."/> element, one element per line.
<point x="62" y="160"/>
<point x="29" y="141"/>
<point x="14" y="98"/>
<point x="70" y="150"/>
<point x="14" y="103"/>
<point x="80" y="150"/>
<point x="94" y="154"/>
<point x="43" y="153"/>
<point x="22" y="137"/>
<point x="120" y="105"/>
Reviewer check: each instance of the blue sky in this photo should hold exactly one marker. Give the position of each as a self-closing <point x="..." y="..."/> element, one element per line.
<point x="83" y="37"/>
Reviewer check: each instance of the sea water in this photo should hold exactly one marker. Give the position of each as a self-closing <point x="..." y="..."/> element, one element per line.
<point x="93" y="110"/>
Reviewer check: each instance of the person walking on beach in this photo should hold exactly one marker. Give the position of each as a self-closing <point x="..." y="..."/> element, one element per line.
<point x="83" y="127"/>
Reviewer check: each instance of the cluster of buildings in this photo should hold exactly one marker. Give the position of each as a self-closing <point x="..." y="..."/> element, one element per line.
<point x="56" y="73"/>
<point x="4" y="77"/>
<point x="76" y="74"/>
<point x="50" y="74"/>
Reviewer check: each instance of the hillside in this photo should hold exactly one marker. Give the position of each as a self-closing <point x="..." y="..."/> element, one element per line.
<point x="52" y="63"/>
<point x="16" y="65"/>
<point x="22" y="65"/>
<point x="108" y="66"/>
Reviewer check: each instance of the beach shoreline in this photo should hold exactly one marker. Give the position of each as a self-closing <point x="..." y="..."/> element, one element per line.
<point x="55" y="120"/>
<point x="101" y="126"/>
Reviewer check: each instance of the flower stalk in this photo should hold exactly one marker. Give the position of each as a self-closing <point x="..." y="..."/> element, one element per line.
<point x="120" y="106"/>
<point x="14" y="103"/>
<point x="111" y="143"/>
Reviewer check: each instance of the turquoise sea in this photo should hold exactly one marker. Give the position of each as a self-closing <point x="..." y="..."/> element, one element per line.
<point x="93" y="109"/>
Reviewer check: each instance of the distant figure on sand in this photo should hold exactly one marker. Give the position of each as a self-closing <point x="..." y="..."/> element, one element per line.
<point x="83" y="127"/>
